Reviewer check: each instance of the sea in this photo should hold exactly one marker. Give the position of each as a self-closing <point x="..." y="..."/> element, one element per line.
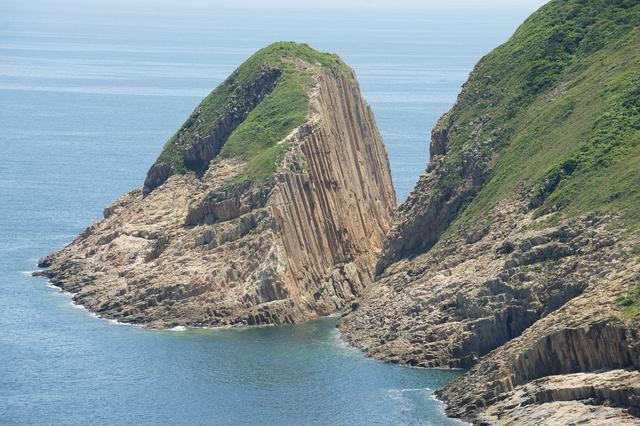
<point x="89" y="92"/>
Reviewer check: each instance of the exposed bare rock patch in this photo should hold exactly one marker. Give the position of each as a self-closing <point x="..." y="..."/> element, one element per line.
<point x="211" y="249"/>
<point x="522" y="302"/>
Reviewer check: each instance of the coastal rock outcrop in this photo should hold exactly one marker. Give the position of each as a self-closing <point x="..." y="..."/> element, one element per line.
<point x="517" y="255"/>
<point x="268" y="206"/>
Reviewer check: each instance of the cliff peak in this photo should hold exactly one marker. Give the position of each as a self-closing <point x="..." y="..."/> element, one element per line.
<point x="248" y="114"/>
<point x="268" y="206"/>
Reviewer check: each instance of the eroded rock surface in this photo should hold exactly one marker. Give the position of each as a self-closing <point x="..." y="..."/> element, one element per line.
<point x="517" y="255"/>
<point x="581" y="398"/>
<point x="515" y="305"/>
<point x="212" y="247"/>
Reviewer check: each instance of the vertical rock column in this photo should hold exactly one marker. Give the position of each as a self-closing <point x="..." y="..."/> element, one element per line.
<point x="333" y="217"/>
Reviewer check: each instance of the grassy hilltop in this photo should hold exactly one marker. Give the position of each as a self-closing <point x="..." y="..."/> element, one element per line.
<point x="282" y="109"/>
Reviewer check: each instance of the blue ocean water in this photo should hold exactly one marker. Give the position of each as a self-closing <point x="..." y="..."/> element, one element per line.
<point x="89" y="92"/>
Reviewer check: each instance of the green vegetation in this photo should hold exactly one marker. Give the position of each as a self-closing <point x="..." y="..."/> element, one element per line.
<point x="285" y="107"/>
<point x="556" y="109"/>
<point x="612" y="319"/>
<point x="630" y="302"/>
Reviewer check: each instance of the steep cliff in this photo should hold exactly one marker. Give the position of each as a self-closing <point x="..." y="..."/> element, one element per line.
<point x="517" y="253"/>
<point x="268" y="206"/>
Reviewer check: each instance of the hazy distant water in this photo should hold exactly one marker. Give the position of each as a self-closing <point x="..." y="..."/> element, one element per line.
<point x="87" y="98"/>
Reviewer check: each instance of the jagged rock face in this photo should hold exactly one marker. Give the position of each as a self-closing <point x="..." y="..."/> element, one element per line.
<point x="515" y="302"/>
<point x="431" y="207"/>
<point x="213" y="250"/>
<point x="568" y="343"/>
<point x="462" y="299"/>
<point x="325" y="221"/>
<point x="582" y="398"/>
<point x="516" y="255"/>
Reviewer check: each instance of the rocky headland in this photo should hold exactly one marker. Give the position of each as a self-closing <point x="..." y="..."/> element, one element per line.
<point x="517" y="255"/>
<point x="268" y="206"/>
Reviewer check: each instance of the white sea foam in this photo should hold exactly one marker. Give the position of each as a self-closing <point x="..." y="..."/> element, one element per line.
<point x="75" y="305"/>
<point x="109" y="320"/>
<point x="59" y="291"/>
<point x="29" y="273"/>
<point x="398" y="395"/>
<point x="116" y="322"/>
<point x="442" y="410"/>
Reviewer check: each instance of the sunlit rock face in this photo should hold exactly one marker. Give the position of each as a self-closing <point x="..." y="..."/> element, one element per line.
<point x="271" y="212"/>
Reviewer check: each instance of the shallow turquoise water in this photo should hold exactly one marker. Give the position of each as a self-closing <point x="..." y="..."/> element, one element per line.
<point x="87" y="97"/>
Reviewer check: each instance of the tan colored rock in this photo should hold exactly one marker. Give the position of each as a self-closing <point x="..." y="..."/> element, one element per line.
<point x="516" y="254"/>
<point x="198" y="252"/>
<point x="581" y="398"/>
<point x="519" y="304"/>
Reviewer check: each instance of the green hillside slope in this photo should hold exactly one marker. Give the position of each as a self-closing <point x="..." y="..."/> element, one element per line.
<point x="246" y="116"/>
<point x="560" y="104"/>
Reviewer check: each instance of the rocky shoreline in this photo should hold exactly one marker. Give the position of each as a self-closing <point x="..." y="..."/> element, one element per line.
<point x="511" y="258"/>
<point x="226" y="248"/>
<point x="516" y="256"/>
